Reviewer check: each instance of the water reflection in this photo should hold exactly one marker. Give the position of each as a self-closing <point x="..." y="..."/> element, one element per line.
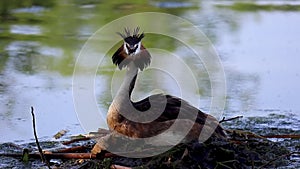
<point x="174" y="4"/>
<point x="242" y="91"/>
<point x="25" y="30"/>
<point x="41" y="39"/>
<point x="23" y="55"/>
<point x="31" y="9"/>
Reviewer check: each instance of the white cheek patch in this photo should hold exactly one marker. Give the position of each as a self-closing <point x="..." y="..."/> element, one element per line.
<point x="138" y="49"/>
<point x="126" y="50"/>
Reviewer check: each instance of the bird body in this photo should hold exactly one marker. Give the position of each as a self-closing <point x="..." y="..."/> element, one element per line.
<point x="155" y="114"/>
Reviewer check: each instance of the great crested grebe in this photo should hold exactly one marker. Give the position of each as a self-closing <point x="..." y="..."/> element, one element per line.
<point x="134" y="56"/>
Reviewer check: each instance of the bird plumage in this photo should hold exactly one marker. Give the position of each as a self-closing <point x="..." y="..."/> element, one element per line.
<point x="170" y="108"/>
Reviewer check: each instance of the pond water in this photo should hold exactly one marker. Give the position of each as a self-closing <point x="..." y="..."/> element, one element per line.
<point x="258" y="45"/>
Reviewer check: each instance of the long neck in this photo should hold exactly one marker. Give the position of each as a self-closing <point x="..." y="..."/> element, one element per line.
<point x="123" y="98"/>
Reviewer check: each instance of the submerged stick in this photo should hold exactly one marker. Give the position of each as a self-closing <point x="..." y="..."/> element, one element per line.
<point x="37" y="141"/>
<point x="234" y="118"/>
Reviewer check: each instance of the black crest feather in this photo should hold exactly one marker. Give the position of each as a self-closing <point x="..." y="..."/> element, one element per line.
<point x="135" y="34"/>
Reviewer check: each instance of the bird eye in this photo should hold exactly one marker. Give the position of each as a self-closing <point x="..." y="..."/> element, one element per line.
<point x="135" y="45"/>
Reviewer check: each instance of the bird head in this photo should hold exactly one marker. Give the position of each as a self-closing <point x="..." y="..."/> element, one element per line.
<point x="132" y="50"/>
<point x="132" y="43"/>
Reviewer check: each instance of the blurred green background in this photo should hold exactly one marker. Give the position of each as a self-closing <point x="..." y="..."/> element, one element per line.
<point x="258" y="43"/>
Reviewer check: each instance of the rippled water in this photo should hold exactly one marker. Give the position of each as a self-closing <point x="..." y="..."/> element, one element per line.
<point x="39" y="44"/>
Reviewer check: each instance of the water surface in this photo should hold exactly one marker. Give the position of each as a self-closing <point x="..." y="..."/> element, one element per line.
<point x="258" y="46"/>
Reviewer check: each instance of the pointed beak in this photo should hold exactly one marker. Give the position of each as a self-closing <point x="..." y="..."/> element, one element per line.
<point x="131" y="47"/>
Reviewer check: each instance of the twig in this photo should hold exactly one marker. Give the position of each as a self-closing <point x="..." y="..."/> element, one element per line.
<point x="277" y="158"/>
<point x="222" y="164"/>
<point x="37" y="141"/>
<point x="224" y="120"/>
<point x="51" y="155"/>
<point x="294" y="136"/>
<point x="114" y="166"/>
<point x="72" y="149"/>
<point x="244" y="134"/>
<point x="75" y="140"/>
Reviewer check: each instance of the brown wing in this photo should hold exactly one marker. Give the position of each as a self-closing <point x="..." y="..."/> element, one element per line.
<point x="175" y="106"/>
